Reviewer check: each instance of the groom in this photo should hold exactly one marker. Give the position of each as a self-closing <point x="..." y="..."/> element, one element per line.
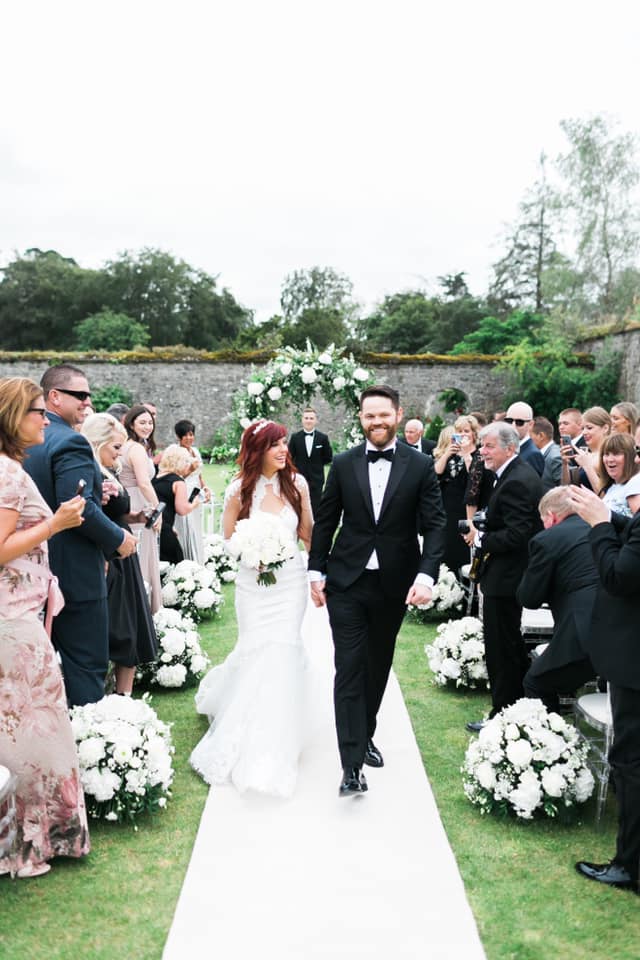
<point x="382" y="494"/>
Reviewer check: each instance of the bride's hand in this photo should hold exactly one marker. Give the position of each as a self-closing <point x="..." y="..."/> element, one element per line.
<point x="318" y="593"/>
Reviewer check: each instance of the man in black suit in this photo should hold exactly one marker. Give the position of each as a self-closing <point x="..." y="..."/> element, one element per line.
<point x="542" y="436"/>
<point x="311" y="451"/>
<point x="413" y="435"/>
<point x="512" y="519"/>
<point x="615" y="653"/>
<point x="77" y="556"/>
<point x="561" y="572"/>
<point x="520" y="416"/>
<point x="382" y="495"/>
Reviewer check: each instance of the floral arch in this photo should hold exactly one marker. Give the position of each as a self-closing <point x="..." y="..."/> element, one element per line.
<point x="292" y="378"/>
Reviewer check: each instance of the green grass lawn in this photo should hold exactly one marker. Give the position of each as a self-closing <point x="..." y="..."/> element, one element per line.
<point x="527" y="899"/>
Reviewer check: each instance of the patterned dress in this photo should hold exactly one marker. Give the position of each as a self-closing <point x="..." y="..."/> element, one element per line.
<point x="36" y="741"/>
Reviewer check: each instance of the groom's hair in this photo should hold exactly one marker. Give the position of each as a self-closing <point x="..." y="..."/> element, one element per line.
<point x="381" y="390"/>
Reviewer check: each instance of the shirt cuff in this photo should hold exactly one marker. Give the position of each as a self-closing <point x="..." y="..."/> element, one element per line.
<point x="423" y="580"/>
<point x="315" y="576"/>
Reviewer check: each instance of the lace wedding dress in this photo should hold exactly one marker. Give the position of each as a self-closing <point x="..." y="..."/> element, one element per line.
<point x="256" y="699"/>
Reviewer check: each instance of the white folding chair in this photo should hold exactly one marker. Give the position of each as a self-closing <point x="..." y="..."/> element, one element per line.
<point x="594" y="710"/>
<point x="8" y="829"/>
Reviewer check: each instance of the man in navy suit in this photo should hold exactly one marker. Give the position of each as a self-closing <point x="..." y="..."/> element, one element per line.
<point x="311" y="451"/>
<point x="413" y="435"/>
<point x="520" y="416"/>
<point x="542" y="436"/>
<point x="382" y="495"/>
<point x="77" y="556"/>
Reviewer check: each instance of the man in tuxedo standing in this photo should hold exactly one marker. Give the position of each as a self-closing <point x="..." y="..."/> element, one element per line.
<point x="542" y="436"/>
<point x="382" y="495"/>
<point x="77" y="556"/>
<point x="512" y="519"/>
<point x="520" y="416"/>
<point x="311" y="451"/>
<point x="413" y="435"/>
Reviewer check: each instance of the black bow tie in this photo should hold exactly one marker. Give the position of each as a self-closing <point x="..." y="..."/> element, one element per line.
<point x="308" y="433"/>
<point x="374" y="455"/>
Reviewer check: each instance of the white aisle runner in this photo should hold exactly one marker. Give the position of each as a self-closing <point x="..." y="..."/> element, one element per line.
<point x="320" y="876"/>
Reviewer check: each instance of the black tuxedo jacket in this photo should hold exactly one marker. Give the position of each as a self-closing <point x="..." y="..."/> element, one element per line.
<point x="614" y="640"/>
<point x="562" y="573"/>
<point x="530" y="454"/>
<point x="311" y="467"/>
<point x="512" y="519"/>
<point x="77" y="556"/>
<point x="428" y="446"/>
<point x="411" y="505"/>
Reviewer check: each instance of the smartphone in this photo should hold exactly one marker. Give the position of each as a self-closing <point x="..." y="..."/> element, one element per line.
<point x="457" y="438"/>
<point x="565" y="440"/>
<point x="194" y="493"/>
<point x="80" y="488"/>
<point x="153" y="516"/>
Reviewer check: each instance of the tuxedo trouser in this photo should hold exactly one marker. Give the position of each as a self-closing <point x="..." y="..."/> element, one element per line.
<point x="364" y="623"/>
<point x="80" y="634"/>
<point x="547" y="685"/>
<point x="624" y="758"/>
<point x="505" y="650"/>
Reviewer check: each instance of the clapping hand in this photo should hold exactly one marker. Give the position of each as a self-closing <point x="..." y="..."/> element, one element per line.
<point x="589" y="506"/>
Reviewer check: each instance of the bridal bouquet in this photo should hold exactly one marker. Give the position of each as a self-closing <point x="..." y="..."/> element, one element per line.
<point x="181" y="660"/>
<point x="447" y="597"/>
<point x="457" y="653"/>
<point x="526" y="761"/>
<point x="218" y="559"/>
<point x="124" y="752"/>
<point x="193" y="588"/>
<point x="262" y="543"/>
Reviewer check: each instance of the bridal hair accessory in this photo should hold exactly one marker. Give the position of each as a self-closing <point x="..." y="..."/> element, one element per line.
<point x="261" y="426"/>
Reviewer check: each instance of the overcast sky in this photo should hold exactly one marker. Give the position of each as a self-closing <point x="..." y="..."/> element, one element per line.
<point x="390" y="140"/>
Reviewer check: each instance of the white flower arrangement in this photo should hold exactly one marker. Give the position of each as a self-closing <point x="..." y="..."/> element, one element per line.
<point x="447" y="597"/>
<point x="193" y="588"/>
<point x="456" y="655"/>
<point x="124" y="752"/>
<point x="181" y="660"/>
<point x="218" y="559"/>
<point x="262" y="543"/>
<point x="527" y="761"/>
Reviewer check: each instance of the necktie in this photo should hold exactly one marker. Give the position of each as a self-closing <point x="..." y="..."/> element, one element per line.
<point x="374" y="455"/>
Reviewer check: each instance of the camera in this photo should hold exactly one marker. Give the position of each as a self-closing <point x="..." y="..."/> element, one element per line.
<point x="479" y="520"/>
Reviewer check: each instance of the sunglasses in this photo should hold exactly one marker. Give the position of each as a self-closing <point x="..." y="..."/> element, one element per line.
<point x="40" y="410"/>
<point x="516" y="420"/>
<point x="78" y="394"/>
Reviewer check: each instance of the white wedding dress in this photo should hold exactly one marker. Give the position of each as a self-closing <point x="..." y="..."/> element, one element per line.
<point x="256" y="699"/>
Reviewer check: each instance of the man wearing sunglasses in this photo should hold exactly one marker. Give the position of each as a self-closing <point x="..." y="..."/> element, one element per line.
<point x="80" y="631"/>
<point x="520" y="417"/>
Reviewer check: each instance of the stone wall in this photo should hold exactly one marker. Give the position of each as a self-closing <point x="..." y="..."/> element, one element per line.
<point x="628" y="344"/>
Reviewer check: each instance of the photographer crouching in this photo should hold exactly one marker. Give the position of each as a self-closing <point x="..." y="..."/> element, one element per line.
<point x="512" y="519"/>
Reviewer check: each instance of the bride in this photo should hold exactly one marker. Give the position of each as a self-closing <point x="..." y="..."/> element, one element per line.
<point x="255" y="699"/>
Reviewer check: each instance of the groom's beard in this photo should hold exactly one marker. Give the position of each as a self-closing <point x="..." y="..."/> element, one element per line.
<point x="380" y="436"/>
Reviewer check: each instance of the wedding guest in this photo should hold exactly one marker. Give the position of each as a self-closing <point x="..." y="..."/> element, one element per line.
<point x="414" y="436"/>
<point x="618" y="474"/>
<point x="596" y="426"/>
<point x="132" y="635"/>
<point x="170" y="487"/>
<point x="454" y="457"/>
<point x="189" y="526"/>
<point x="520" y="416"/>
<point x="119" y="411"/>
<point x="36" y="740"/>
<point x="311" y="451"/>
<point x="624" y="418"/>
<point x="480" y="416"/>
<point x="136" y="474"/>
<point x="542" y="436"/>
<point x="570" y="425"/>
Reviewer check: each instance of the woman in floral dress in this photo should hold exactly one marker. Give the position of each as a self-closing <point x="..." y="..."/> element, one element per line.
<point x="36" y="741"/>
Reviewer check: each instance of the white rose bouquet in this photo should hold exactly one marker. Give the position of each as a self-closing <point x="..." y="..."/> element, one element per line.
<point x="218" y="559"/>
<point x="447" y="597"/>
<point x="262" y="543"/>
<point x="125" y="757"/>
<point x="527" y="761"/>
<point x="193" y="588"/>
<point x="457" y="654"/>
<point x="181" y="660"/>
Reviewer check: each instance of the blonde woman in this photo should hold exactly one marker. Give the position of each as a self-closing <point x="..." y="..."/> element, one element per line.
<point x="455" y="458"/>
<point x="175" y="464"/>
<point x="624" y="418"/>
<point x="596" y="426"/>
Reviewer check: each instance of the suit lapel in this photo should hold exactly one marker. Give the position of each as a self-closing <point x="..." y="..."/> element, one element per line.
<point x="361" y="470"/>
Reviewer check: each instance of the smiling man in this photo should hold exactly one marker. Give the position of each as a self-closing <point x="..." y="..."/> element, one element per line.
<point x="381" y="494"/>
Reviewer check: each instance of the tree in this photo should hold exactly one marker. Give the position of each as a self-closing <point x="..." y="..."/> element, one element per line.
<point x="213" y="319"/>
<point x="494" y="335"/>
<point x="106" y="330"/>
<point x="317" y="304"/>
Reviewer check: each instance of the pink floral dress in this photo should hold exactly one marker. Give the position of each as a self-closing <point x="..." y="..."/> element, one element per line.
<point x="36" y="741"/>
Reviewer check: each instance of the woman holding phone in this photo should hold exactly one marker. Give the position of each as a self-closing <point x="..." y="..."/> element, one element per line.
<point x="579" y="465"/>
<point x="171" y="489"/>
<point x="455" y="458"/>
<point x="189" y="527"/>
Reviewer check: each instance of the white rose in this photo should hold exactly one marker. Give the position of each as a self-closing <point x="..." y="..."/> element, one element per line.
<point x="450" y="668"/>
<point x="255" y="388"/>
<point x="527" y="795"/>
<point x="229" y="576"/>
<point x="286" y="368"/>
<point x="170" y="594"/>
<point x="173" y="643"/>
<point x="360" y="374"/>
<point x="245" y="422"/>
<point x="188" y="585"/>
<point x="519" y="753"/>
<point x="274" y="393"/>
<point x="122" y="753"/>
<point x="199" y="664"/>
<point x="583" y="787"/>
<point x="486" y="775"/>
<point x="553" y="782"/>
<point x="173" y="676"/>
<point x="204" y="599"/>
<point x="339" y="383"/>
<point x="308" y="375"/>
<point x="91" y="751"/>
<point x="512" y="732"/>
<point x="325" y="358"/>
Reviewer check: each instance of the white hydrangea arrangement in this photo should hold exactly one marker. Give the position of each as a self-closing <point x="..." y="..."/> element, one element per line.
<point x="194" y="589"/>
<point x="218" y="559"/>
<point x="456" y="655"/>
<point x="181" y="661"/>
<point x="447" y="597"/>
<point x="527" y="761"/>
<point x="262" y="543"/>
<point x="125" y="753"/>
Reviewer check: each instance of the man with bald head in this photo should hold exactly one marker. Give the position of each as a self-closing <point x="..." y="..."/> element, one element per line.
<point x="520" y="417"/>
<point x="413" y="435"/>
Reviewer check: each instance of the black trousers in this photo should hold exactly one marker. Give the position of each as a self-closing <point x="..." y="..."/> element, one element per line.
<point x="365" y="623"/>
<point x="505" y="650"/>
<point x="80" y="634"/>
<point x="547" y="685"/>
<point x="624" y="758"/>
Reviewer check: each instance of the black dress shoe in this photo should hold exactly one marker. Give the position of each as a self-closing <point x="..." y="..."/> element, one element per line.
<point x="353" y="782"/>
<point x="612" y="874"/>
<point x="475" y="726"/>
<point x="372" y="756"/>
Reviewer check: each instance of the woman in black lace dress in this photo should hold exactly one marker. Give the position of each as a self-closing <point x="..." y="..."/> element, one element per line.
<point x="459" y="469"/>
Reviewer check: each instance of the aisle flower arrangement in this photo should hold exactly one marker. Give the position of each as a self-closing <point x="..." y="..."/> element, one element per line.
<point x="192" y="588"/>
<point x="218" y="559"/>
<point x="125" y="753"/>
<point x="527" y="761"/>
<point x="181" y="660"/>
<point x="262" y="543"/>
<point x="447" y="598"/>
<point x="456" y="655"/>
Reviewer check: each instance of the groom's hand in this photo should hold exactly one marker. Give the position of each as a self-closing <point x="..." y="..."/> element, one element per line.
<point x="318" y="593"/>
<point x="419" y="593"/>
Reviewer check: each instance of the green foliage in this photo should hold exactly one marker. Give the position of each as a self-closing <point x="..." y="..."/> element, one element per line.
<point x="107" y="330"/>
<point x="453" y="400"/>
<point x="317" y="306"/>
<point x="494" y="335"/>
<point x="433" y="427"/>
<point x="103" y="397"/>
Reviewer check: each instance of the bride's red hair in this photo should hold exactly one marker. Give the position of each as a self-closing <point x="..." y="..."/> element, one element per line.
<point x="256" y="440"/>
